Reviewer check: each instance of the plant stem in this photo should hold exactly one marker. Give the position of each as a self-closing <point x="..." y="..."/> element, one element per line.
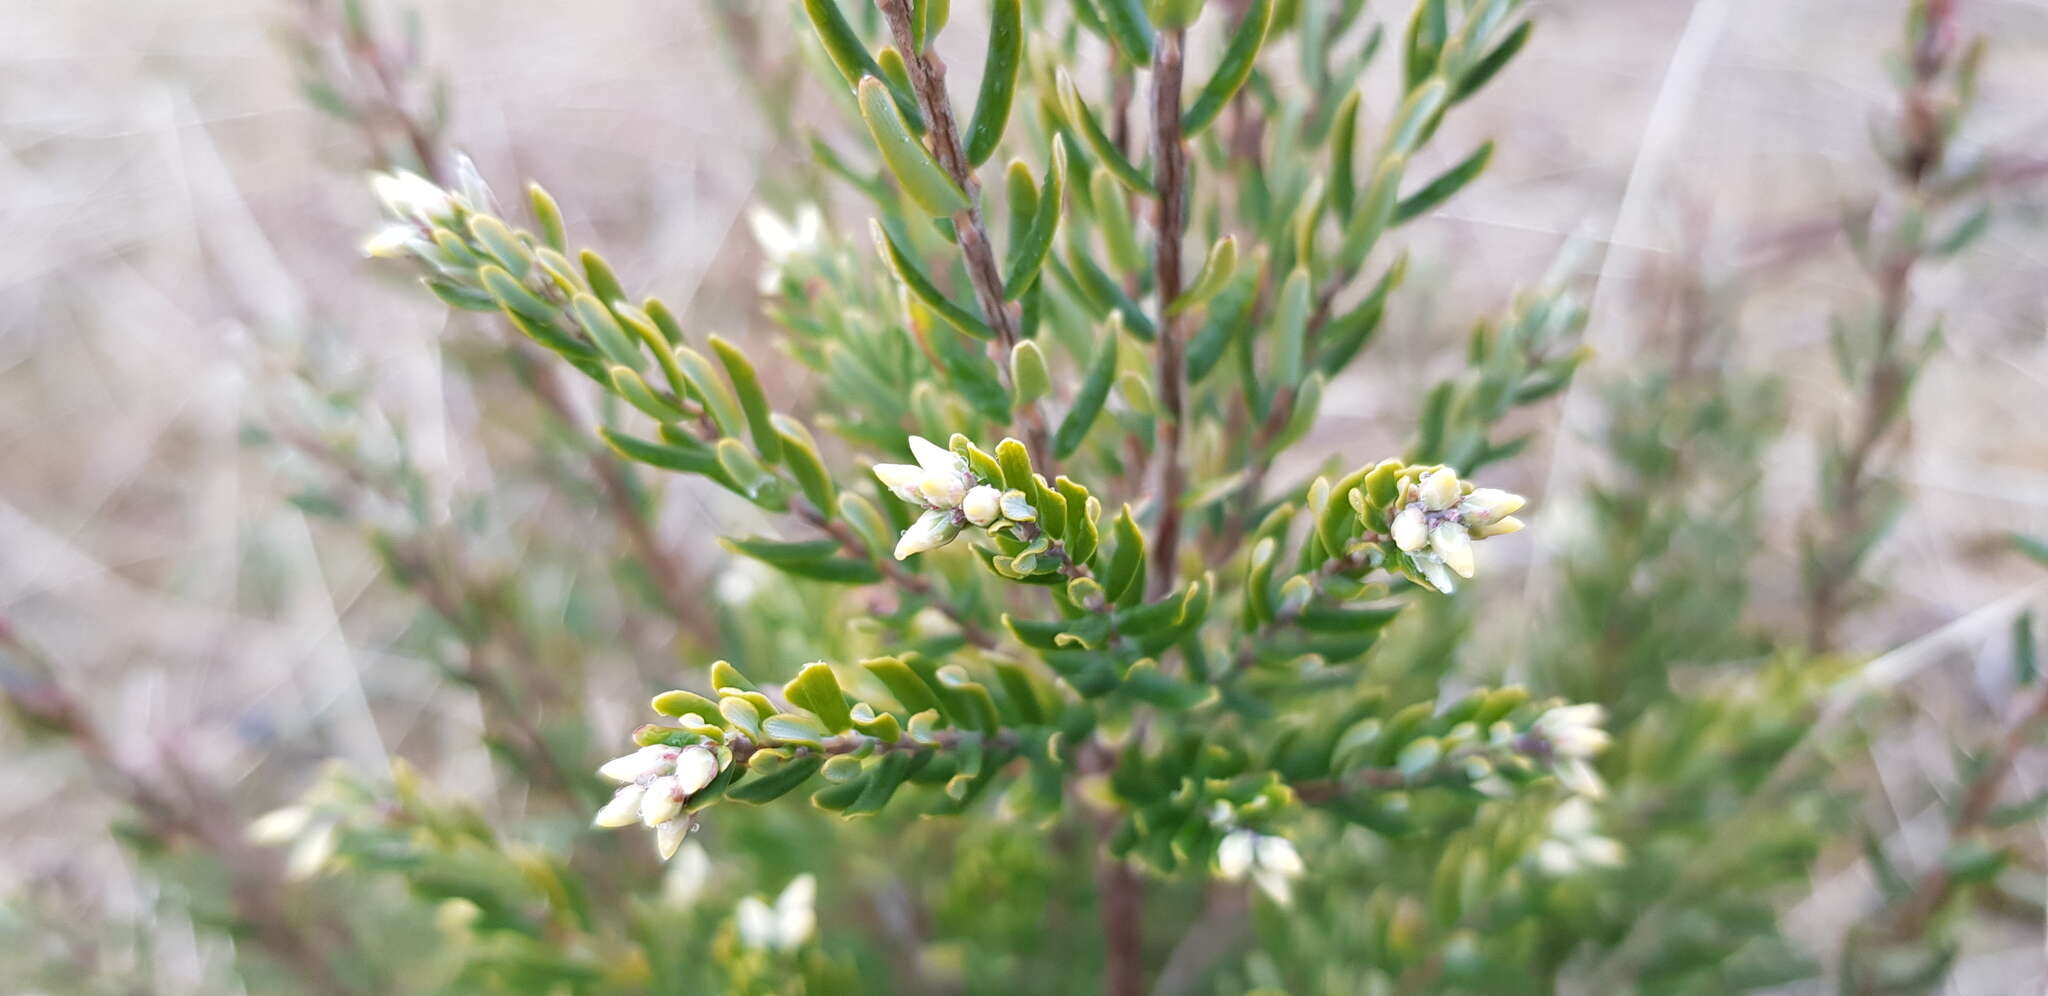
<point x="1123" y="939"/>
<point x="1169" y="152"/>
<point x="928" y="83"/>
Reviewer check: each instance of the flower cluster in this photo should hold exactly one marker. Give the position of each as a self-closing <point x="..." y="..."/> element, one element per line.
<point x="941" y="483"/>
<point x="416" y="205"/>
<point x="1437" y="516"/>
<point x="655" y="783"/>
<point x="1270" y="861"/>
<point x="1571" y="736"/>
<point x="1574" y="843"/>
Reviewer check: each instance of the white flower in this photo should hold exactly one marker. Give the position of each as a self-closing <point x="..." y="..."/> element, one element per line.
<point x="982" y="505"/>
<point x="1271" y="861"/>
<point x="784" y="926"/>
<point x="411" y="196"/>
<point x="311" y="852"/>
<point x="782" y="241"/>
<point x="659" y="781"/>
<point x="280" y="825"/>
<point x="940" y="479"/>
<point x="1436" y="521"/>
<point x="688" y="873"/>
<point x="1572" y="735"/>
<point x="1574" y="843"/>
<point x="312" y="835"/>
<point x="394" y="242"/>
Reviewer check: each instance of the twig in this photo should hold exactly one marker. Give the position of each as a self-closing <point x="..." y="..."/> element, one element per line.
<point x="928" y="83"/>
<point x="1169" y="151"/>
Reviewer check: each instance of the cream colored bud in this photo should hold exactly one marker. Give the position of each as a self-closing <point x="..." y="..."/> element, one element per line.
<point x="695" y="768"/>
<point x="1505" y="526"/>
<point x="662" y="801"/>
<point x="902" y="480"/>
<point x="669" y="836"/>
<point x="931" y="531"/>
<point x="1488" y="505"/>
<point x="1454" y="545"/>
<point x="1439" y="489"/>
<point x="623" y="809"/>
<point x="650" y="760"/>
<point x="982" y="505"/>
<point x="1411" y="529"/>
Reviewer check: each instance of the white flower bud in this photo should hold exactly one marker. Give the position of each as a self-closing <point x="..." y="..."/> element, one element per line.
<point x="695" y="768"/>
<point x="932" y="530"/>
<point x="1439" y="489"/>
<point x="902" y="480"/>
<point x="280" y="825"/>
<point x="1433" y="571"/>
<point x="669" y="836"/>
<point x="1279" y="855"/>
<point x="1411" y="531"/>
<point x="650" y="760"/>
<point x="1489" y="505"/>
<point x="409" y="195"/>
<point x="982" y="505"/>
<point x="623" y="809"/>
<point x="392" y="242"/>
<point x="1234" y="856"/>
<point x="662" y="801"/>
<point x="1454" y="545"/>
<point x="1506" y="525"/>
<point x="945" y="491"/>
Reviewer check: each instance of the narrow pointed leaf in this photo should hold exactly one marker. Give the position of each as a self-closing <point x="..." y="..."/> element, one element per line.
<point x="912" y="164"/>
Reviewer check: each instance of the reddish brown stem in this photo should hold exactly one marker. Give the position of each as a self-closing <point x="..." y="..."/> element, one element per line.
<point x="1169" y="152"/>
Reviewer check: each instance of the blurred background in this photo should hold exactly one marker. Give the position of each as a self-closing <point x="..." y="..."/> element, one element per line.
<point x="179" y="270"/>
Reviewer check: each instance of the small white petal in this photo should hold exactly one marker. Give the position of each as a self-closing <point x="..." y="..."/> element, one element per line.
<point x="1235" y="854"/>
<point x="695" y="768"/>
<point x="669" y="836"/>
<point x="776" y="239"/>
<point x="1439" y="489"/>
<point x="1578" y="776"/>
<point x="795" y="914"/>
<point x="1434" y="571"/>
<point x="662" y="801"/>
<point x="623" y="809"/>
<point x="1572" y="818"/>
<point x="280" y="825"/>
<point x="1454" y="545"/>
<point x="935" y="459"/>
<point x="945" y="491"/>
<point x="756" y="922"/>
<point x="1411" y="532"/>
<point x="982" y="505"/>
<point x="1276" y="886"/>
<point x="1602" y="852"/>
<point x="391" y="242"/>
<point x="1555" y="857"/>
<point x="649" y="760"/>
<point x="1504" y="527"/>
<point x="902" y="480"/>
<point x="689" y="871"/>
<point x="1278" y="854"/>
<point x="310" y="854"/>
<point x="1488" y="505"/>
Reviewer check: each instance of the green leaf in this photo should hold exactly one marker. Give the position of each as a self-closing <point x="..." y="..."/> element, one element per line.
<point x="1343" y="150"/>
<point x="605" y="330"/>
<point x="1216" y="272"/>
<point x="752" y="400"/>
<point x="1094" y="391"/>
<point x="693" y="458"/>
<point x="1372" y="215"/>
<point x="503" y="246"/>
<point x="1494" y="61"/>
<point x="1129" y="29"/>
<point x="678" y="702"/>
<point x="907" y="158"/>
<point x="788" y="727"/>
<point x="1417" y="116"/>
<point x="754" y="480"/>
<point x="1016" y="463"/>
<point x="851" y="57"/>
<point x="1439" y="190"/>
<point x="1029" y="378"/>
<point x="1113" y="218"/>
<point x="718" y="398"/>
<point x="1027" y="255"/>
<point x="800" y="455"/>
<point x="816" y="690"/>
<point x="1427" y="31"/>
<point x="759" y="789"/>
<point x="548" y="215"/>
<point x="780" y="551"/>
<point x="1231" y="71"/>
<point x="1290" y="322"/>
<point x="998" y="80"/>
<point x="1125" y="580"/>
<point x="921" y="286"/>
<point x="513" y="295"/>
<point x="1082" y="120"/>
<point x="628" y="384"/>
<point x="909" y="688"/>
